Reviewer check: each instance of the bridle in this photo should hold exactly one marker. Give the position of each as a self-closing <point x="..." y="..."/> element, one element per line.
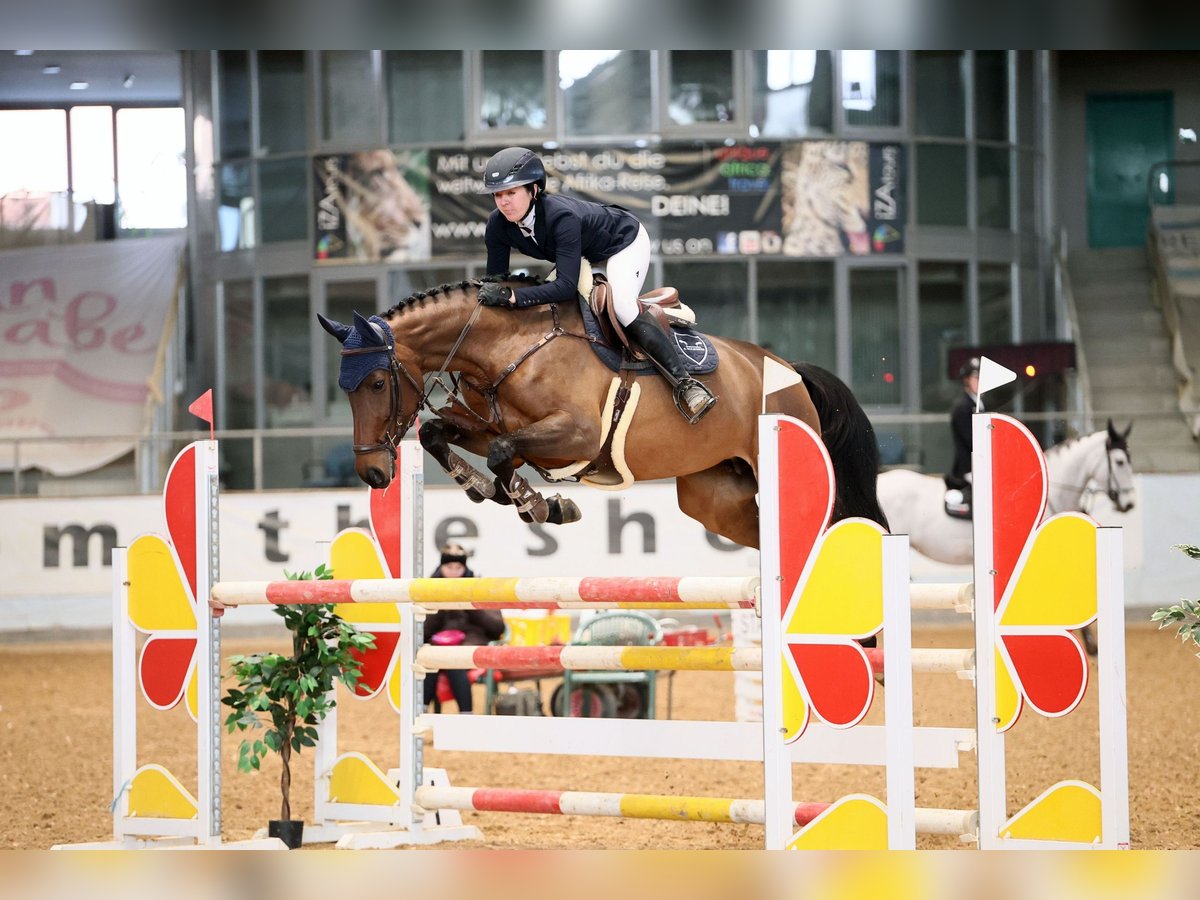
<point x="397" y="428"/>
<point x="1113" y="489"/>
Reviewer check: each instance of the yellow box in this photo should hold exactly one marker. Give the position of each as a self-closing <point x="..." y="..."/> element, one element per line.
<point x="524" y="631"/>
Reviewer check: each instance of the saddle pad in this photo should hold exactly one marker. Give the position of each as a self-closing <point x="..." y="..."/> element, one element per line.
<point x="698" y="352"/>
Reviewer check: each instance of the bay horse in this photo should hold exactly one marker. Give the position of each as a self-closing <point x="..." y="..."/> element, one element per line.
<point x="525" y="386"/>
<point x="1076" y="470"/>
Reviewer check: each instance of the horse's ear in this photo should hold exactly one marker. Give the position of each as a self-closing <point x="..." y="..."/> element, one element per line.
<point x="1125" y="433"/>
<point x="1112" y="431"/>
<point x="368" y="332"/>
<point x="337" y="329"/>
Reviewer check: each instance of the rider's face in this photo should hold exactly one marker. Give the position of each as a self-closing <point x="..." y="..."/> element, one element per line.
<point x="513" y="203"/>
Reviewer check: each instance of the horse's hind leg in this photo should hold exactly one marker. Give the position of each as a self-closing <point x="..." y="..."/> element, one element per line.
<point x="722" y="499"/>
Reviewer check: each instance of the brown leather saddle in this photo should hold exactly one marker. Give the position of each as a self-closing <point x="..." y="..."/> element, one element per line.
<point x="662" y="303"/>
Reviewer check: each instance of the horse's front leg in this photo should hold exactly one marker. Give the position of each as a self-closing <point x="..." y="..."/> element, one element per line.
<point x="436" y="436"/>
<point x="557" y="435"/>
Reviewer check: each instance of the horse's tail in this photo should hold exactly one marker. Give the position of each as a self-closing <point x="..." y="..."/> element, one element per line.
<point x="850" y="439"/>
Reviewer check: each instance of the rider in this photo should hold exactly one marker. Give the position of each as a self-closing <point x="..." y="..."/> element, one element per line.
<point x="958" y="479"/>
<point x="567" y="230"/>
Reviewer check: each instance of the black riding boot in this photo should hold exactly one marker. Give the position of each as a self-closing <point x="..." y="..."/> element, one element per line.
<point x="692" y="397"/>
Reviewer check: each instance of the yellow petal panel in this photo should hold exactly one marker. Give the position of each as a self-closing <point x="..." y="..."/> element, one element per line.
<point x="159" y="600"/>
<point x="1057" y="585"/>
<point x="355" y="779"/>
<point x="1068" y="811"/>
<point x="154" y="793"/>
<point x="844" y="592"/>
<point x="856" y="822"/>
<point x="1008" y="698"/>
<point x="795" y="708"/>
<point x="354" y="555"/>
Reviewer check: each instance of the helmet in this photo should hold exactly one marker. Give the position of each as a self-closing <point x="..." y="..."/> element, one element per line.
<point x="513" y="167"/>
<point x="970" y="367"/>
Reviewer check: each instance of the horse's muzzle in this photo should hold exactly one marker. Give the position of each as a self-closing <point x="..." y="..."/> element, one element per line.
<point x="377" y="478"/>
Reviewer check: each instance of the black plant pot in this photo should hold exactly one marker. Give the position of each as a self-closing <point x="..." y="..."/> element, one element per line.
<point x="290" y="831"/>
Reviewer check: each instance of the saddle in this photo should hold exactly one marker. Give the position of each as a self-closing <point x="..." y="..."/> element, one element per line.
<point x="662" y="303"/>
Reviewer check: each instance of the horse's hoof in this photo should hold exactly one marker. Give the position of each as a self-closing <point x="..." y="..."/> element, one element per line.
<point x="563" y="511"/>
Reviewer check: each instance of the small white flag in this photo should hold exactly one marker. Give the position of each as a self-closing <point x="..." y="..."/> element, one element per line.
<point x="991" y="375"/>
<point x="776" y="378"/>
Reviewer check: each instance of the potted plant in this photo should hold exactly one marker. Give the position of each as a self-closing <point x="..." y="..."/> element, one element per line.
<point x="1186" y="613"/>
<point x="291" y="694"/>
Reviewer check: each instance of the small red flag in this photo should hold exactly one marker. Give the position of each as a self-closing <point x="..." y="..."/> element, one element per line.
<point x="201" y="407"/>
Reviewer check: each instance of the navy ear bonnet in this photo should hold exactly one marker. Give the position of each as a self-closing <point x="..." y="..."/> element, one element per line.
<point x="366" y="333"/>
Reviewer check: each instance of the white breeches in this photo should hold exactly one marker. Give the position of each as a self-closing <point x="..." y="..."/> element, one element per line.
<point x="626" y="272"/>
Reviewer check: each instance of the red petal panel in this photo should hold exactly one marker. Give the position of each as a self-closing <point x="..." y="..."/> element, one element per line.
<point x="179" y="500"/>
<point x="1050" y="669"/>
<point x="385" y="522"/>
<point x="377" y="663"/>
<point x="805" y="501"/>
<point x="163" y="669"/>
<point x="838" y="680"/>
<point x="1018" y="495"/>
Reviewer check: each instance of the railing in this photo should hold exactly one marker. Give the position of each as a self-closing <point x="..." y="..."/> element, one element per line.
<point x="290" y="458"/>
<point x="1066" y="299"/>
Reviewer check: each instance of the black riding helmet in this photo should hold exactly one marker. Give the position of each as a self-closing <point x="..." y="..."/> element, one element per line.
<point x="513" y="167"/>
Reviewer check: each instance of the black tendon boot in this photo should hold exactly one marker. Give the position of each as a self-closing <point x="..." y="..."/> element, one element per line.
<point x="692" y="397"/>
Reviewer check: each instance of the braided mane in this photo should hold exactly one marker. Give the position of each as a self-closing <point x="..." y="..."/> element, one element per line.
<point x="436" y="293"/>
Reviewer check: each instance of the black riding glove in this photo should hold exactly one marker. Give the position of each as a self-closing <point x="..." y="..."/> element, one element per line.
<point x="493" y="294"/>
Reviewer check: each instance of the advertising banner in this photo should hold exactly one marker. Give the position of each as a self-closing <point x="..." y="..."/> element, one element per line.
<point x="80" y="346"/>
<point x="801" y="199"/>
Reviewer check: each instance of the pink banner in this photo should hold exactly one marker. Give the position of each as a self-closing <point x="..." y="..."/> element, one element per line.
<point x="81" y="330"/>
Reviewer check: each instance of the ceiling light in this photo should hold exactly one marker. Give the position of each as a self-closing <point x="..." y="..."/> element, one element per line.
<point x="128" y="82"/>
<point x="78" y="85"/>
<point x="52" y="69"/>
<point x="23" y="52"/>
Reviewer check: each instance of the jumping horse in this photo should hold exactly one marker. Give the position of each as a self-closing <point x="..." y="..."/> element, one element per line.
<point x="527" y="387"/>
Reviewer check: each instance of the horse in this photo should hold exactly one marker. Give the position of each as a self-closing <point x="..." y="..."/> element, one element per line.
<point x="525" y="387"/>
<point x="913" y="502"/>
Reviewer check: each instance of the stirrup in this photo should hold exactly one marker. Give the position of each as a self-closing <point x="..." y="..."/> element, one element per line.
<point x="681" y="402"/>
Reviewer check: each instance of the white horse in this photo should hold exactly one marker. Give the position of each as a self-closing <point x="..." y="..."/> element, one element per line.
<point x="1076" y="469"/>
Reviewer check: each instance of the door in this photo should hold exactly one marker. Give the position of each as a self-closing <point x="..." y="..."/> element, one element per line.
<point x="1126" y="135"/>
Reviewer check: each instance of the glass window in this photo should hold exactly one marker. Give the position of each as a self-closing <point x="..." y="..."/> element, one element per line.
<point x="235" y="207"/>
<point x="281" y="93"/>
<point x="425" y="95"/>
<point x="995" y="304"/>
<point x="1029" y="219"/>
<point x="942" y="317"/>
<point x="701" y="87"/>
<point x="287" y="368"/>
<point x="940" y="93"/>
<point x="793" y="92"/>
<point x="92" y="169"/>
<point x="941" y="184"/>
<point x="875" y="335"/>
<point x="991" y="95"/>
<point x="342" y="300"/>
<point x="871" y="88"/>
<point x="1026" y="99"/>
<point x="237" y="410"/>
<point x="233" y="102"/>
<point x="514" y="89"/>
<point x="795" y="311"/>
<point x="349" y="114"/>
<point x="992" y="171"/>
<point x="283" y="186"/>
<point x="716" y="291"/>
<point x="37" y="160"/>
<point x="151" y="171"/>
<point x="605" y="92"/>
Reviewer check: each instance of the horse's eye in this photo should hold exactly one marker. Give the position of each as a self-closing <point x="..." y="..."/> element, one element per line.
<point x="378" y="386"/>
